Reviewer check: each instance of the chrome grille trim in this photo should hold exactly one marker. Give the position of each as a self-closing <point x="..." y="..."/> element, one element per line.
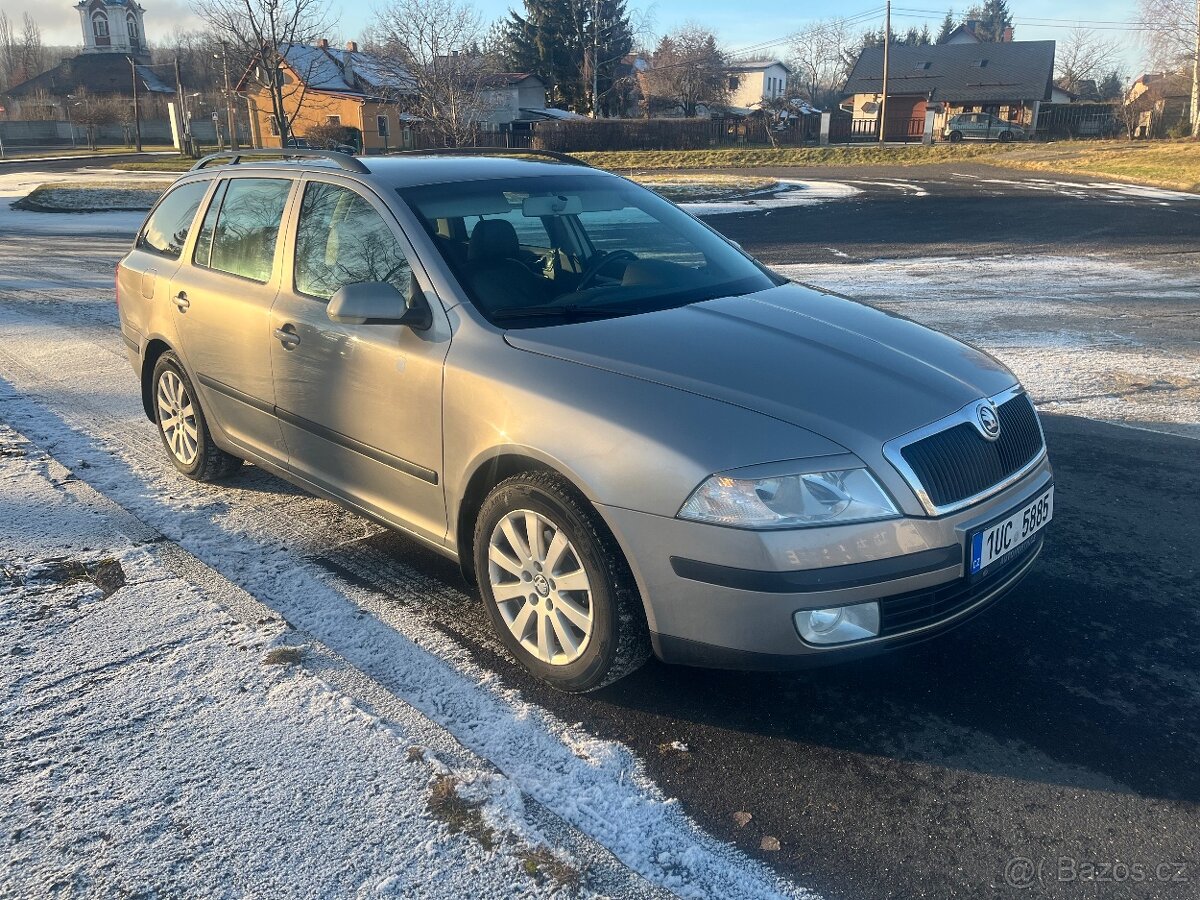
<point x="893" y="452"/>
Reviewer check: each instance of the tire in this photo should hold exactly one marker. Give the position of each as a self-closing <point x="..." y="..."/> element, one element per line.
<point x="617" y="640"/>
<point x="955" y="137"/>
<point x="1005" y="137"/>
<point x="189" y="446"/>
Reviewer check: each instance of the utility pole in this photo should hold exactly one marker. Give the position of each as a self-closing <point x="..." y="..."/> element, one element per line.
<point x="231" y="119"/>
<point x="887" y="40"/>
<point x="596" y="54"/>
<point x="1196" y="78"/>
<point x="137" y="113"/>
<point x="184" y="127"/>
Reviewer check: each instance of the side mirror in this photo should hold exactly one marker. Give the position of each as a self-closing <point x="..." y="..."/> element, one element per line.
<point x="379" y="303"/>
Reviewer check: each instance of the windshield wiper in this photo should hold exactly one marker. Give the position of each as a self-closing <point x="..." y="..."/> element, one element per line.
<point x="568" y="311"/>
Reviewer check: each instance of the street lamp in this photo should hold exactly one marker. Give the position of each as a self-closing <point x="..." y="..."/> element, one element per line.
<point x="70" y="125"/>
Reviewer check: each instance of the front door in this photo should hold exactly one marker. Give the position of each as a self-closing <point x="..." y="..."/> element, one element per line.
<point x="222" y="299"/>
<point x="360" y="405"/>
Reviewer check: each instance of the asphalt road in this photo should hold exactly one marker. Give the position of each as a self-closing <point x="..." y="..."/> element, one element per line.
<point x="1061" y="727"/>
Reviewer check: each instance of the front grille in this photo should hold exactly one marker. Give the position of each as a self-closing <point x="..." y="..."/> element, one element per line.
<point x="959" y="462"/>
<point x="916" y="609"/>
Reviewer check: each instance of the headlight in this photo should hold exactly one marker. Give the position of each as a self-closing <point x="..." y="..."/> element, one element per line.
<point x="790" y="501"/>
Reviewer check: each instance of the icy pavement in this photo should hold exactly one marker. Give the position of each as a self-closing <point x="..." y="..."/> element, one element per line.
<point x="156" y="745"/>
<point x="66" y="384"/>
<point x="1092" y="336"/>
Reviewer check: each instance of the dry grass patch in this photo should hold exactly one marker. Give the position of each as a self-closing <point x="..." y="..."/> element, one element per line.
<point x="282" y="656"/>
<point x="541" y="865"/>
<point x="459" y="815"/>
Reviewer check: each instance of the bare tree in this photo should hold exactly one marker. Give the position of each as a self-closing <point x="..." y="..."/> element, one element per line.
<point x="1172" y="38"/>
<point x="822" y="57"/>
<point x="261" y="34"/>
<point x="688" y="68"/>
<point x="91" y="112"/>
<point x="1085" y="55"/>
<point x="440" y="74"/>
<point x="22" y="55"/>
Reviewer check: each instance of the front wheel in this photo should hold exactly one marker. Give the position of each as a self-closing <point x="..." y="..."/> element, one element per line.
<point x="556" y="586"/>
<point x="182" y="425"/>
<point x="955" y="137"/>
<point x="1005" y="137"/>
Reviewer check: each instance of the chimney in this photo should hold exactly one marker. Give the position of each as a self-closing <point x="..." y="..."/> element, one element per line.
<point x="348" y="62"/>
<point x="323" y="43"/>
<point x="1008" y="35"/>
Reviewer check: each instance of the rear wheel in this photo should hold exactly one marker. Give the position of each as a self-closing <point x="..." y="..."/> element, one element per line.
<point x="955" y="137"/>
<point x="182" y="426"/>
<point x="556" y="586"/>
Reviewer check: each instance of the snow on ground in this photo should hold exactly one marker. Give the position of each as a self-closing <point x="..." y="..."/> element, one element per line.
<point x="1091" y="336"/>
<point x="155" y="745"/>
<point x="16" y="185"/>
<point x="1111" y="191"/>
<point x="794" y="192"/>
<point x="65" y="382"/>
<point x="93" y="196"/>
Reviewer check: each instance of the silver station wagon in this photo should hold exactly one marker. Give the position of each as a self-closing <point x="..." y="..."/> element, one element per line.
<point x="631" y="435"/>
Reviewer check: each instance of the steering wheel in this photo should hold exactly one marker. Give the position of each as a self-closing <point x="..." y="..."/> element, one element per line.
<point x="599" y="262"/>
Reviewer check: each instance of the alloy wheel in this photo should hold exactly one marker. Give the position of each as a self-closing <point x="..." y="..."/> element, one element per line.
<point x="177" y="418"/>
<point x="540" y="587"/>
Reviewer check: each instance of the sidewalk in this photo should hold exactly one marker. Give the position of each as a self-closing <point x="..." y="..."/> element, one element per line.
<point x="157" y="743"/>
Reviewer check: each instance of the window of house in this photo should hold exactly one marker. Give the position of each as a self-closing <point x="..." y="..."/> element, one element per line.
<point x="100" y="25"/>
<point x="273" y="125"/>
<point x="333" y="120"/>
<point x="733" y="82"/>
<point x="923" y="66"/>
<point x="381" y="125"/>
<point x="247" y="227"/>
<point x="166" y="230"/>
<point x="342" y="240"/>
<point x="979" y="63"/>
<point x="131" y="27"/>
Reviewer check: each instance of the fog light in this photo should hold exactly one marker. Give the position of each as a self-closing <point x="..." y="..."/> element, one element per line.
<point x="838" y="624"/>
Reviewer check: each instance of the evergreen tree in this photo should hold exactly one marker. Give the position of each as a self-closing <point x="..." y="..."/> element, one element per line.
<point x="948" y="25"/>
<point x="994" y="20"/>
<point x="557" y="40"/>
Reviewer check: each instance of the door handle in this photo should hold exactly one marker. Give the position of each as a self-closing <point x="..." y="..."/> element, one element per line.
<point x="288" y="337"/>
<point x="181" y="300"/>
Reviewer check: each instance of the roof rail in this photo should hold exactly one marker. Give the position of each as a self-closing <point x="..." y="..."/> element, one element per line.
<point x="495" y="151"/>
<point x="233" y="157"/>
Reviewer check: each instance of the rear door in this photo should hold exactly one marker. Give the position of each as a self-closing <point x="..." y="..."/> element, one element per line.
<point x="360" y="405"/>
<point x="222" y="301"/>
<point x="144" y="275"/>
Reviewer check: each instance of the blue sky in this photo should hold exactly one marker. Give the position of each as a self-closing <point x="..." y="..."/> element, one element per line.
<point x="736" y="24"/>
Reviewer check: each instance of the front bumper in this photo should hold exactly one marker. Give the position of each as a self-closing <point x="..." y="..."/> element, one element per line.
<point x="725" y="597"/>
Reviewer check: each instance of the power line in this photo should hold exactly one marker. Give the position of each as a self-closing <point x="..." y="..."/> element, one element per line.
<point x="857" y="18"/>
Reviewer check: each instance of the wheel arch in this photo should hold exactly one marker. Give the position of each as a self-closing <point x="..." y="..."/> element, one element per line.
<point x="155" y="348"/>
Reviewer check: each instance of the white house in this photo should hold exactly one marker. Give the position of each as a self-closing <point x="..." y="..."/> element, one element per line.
<point x="752" y="80"/>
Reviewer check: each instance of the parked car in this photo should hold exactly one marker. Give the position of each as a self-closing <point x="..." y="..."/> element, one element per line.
<point x="984" y="127"/>
<point x="630" y="434"/>
<point x="297" y="143"/>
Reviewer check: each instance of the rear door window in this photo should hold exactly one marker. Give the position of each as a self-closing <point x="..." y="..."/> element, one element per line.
<point x="247" y="227"/>
<point x="166" y="230"/>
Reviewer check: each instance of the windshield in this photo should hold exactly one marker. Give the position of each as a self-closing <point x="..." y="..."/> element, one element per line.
<point x="541" y="251"/>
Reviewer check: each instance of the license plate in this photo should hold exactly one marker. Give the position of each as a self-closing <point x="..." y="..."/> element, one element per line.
<point x="1004" y="536"/>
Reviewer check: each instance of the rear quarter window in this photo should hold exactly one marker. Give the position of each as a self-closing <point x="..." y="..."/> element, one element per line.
<point x="166" y="231"/>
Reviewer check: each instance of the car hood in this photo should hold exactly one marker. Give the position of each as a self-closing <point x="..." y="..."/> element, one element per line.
<point x="846" y="371"/>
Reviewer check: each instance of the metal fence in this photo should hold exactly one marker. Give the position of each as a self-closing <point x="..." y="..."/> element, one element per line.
<point x="579" y="135"/>
<point x="1080" y="120"/>
<point x="847" y="130"/>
